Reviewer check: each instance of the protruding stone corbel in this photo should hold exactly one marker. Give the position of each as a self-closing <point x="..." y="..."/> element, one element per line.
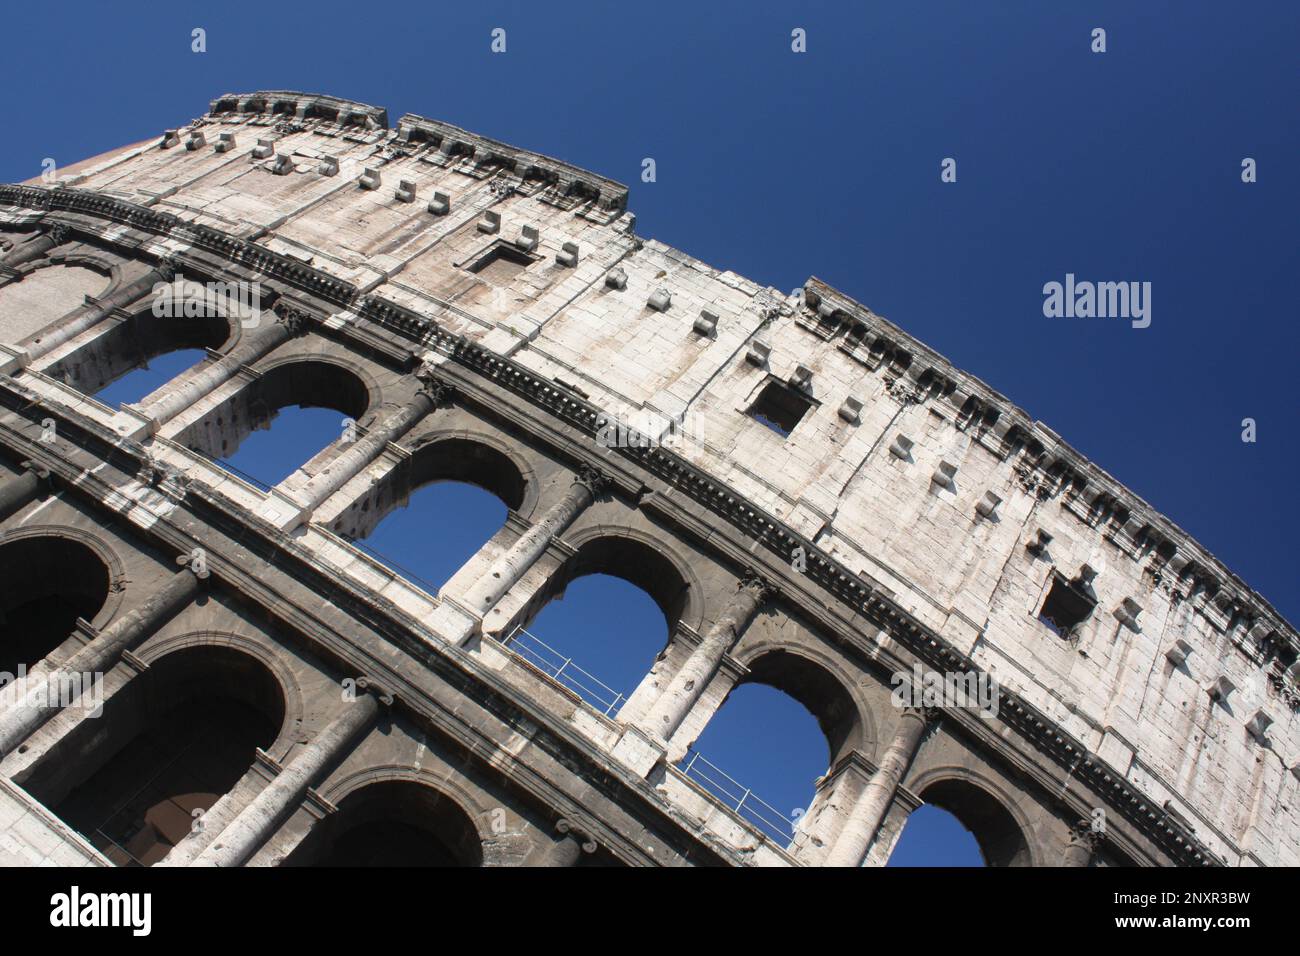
<point x="405" y="191"/>
<point x="706" y="323"/>
<point x="1038" y="546"/>
<point x="490" y="223"/>
<point x="370" y="178"/>
<point x="660" y="300"/>
<point x="225" y="143"/>
<point x="568" y="255"/>
<point x="616" y="279"/>
<point x="987" y="507"/>
<point x="901" y="447"/>
<point x="758" y="354"/>
<point x="281" y="165"/>
<point x="528" y="238"/>
<point x="1127" y="614"/>
<point x="1220" y="689"/>
<point x="170" y="139"/>
<point x="1258" y="726"/>
<point x="440" y="204"/>
<point x="1178" y="652"/>
<point x="802" y="377"/>
<point x="328" y="166"/>
<point x="945" y="476"/>
<point x="851" y="410"/>
<point x="196" y="140"/>
<point x="264" y="149"/>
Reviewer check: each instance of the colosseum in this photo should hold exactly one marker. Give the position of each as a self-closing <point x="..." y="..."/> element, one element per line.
<point x="816" y="501"/>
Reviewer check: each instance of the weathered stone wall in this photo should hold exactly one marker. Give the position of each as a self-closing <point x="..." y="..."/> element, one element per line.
<point x="927" y="515"/>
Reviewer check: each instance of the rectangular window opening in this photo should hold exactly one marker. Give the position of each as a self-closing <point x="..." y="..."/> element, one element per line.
<point x="779" y="407"/>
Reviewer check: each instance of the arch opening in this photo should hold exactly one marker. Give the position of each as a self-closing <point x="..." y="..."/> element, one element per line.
<point x="296" y="408"/>
<point x="782" y="727"/>
<point x="460" y="493"/>
<point x="954" y="806"/>
<point x="168" y="745"/>
<point x="399" y="823"/>
<point x="46" y="583"/>
<point x="129" y="360"/>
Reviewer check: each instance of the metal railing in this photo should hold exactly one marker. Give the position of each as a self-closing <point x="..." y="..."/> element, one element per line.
<point x="406" y="573"/>
<point x="563" y="671"/>
<point x="739" y="797"/>
<point x="561" y="668"/>
<point x="240" y="473"/>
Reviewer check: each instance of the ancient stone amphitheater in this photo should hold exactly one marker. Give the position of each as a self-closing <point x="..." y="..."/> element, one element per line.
<point x="815" y="500"/>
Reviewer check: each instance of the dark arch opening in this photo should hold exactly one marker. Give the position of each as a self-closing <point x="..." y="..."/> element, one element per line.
<point x="398" y="823"/>
<point x="171" y="742"/>
<point x="118" y="364"/>
<point x="818" y="690"/>
<point x="306" y="385"/>
<point x="471" y="462"/>
<point x="999" y="837"/>
<point x="932" y="836"/>
<point x="635" y="562"/>
<point x="46" y="583"/>
<point x="460" y="492"/>
<point x="778" y="730"/>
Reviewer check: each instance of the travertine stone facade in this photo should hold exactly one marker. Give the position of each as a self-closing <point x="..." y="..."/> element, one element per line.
<point x="488" y="314"/>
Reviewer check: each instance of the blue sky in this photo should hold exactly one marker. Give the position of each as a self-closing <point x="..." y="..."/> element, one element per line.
<point x="1118" y="166"/>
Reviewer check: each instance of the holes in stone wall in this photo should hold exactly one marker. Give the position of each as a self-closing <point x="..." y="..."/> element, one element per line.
<point x="1066" y="606"/>
<point x="779" y="407"/>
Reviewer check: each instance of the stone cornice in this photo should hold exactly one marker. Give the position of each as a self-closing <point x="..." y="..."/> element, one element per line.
<point x="860" y="595"/>
<point x="292" y="105"/>
<point x="567" y="182"/>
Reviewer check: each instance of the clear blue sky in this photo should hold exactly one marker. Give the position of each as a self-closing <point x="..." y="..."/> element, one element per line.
<point x="1117" y="166"/>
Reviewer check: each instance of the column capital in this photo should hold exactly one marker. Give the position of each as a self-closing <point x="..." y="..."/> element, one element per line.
<point x="1084" y="836"/>
<point x="381" y="693"/>
<point x="929" y="716"/>
<point x="757" y="585"/>
<point x="59" y="233"/>
<point x="37" y="469"/>
<point x="592" y="478"/>
<point x="567" y="828"/>
<point x="293" y="318"/>
<point x="169" y="267"/>
<point x="434" y="385"/>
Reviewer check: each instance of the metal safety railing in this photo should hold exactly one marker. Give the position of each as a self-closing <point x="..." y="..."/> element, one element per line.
<point x="739" y="797"/>
<point x="564" y="671"/>
<point x="595" y="692"/>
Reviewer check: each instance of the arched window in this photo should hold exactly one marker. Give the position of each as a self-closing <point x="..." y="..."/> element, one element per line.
<point x="276" y="424"/>
<point x="603" y="619"/>
<point x="962" y="824"/>
<point x="46" y="583"/>
<point x="461" y="492"/>
<point x="777" y="731"/>
<point x="128" y="360"/>
<point x="171" y="742"/>
<point x="934" y="837"/>
<point x="442" y="525"/>
<point x="771" y="750"/>
<point x="392" y="823"/>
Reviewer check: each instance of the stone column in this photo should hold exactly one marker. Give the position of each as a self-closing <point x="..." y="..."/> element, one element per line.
<point x="74" y="323"/>
<point x="258" y="820"/>
<point x="21" y="491"/>
<point x="358" y="454"/>
<point x="21" y="719"/>
<point x="512" y="565"/>
<point x="253" y="345"/>
<point x="668" y="712"/>
<point x="569" y="846"/>
<point x="864" y="820"/>
<point x="37" y="247"/>
<point x="1082" y="844"/>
